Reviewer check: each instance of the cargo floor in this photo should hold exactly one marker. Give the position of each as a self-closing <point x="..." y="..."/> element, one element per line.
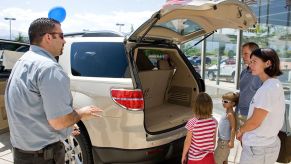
<point x="166" y="116"/>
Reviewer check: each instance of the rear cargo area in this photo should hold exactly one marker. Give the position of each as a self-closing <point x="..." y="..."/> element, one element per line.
<point x="166" y="116"/>
<point x="169" y="89"/>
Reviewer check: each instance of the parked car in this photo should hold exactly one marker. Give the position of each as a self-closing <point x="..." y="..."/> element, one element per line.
<point x="227" y="70"/>
<point x="229" y="61"/>
<point x="8" y="53"/>
<point x="10" y="50"/>
<point x="196" y="60"/>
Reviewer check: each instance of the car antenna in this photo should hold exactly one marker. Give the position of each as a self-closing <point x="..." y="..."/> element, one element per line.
<point x="200" y="40"/>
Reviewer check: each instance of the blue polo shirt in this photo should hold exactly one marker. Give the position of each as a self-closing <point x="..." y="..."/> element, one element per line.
<point x="249" y="84"/>
<point x="37" y="90"/>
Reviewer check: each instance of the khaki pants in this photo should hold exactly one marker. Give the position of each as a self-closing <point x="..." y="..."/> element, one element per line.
<point x="260" y="154"/>
<point x="221" y="152"/>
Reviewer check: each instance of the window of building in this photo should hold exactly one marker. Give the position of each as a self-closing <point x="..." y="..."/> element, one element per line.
<point x="273" y="30"/>
<point x="221" y="47"/>
<point x="193" y="53"/>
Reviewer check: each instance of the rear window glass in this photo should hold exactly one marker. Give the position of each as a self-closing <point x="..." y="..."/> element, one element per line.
<point x="156" y="55"/>
<point x="13" y="46"/>
<point x="181" y="26"/>
<point x="98" y="59"/>
<point x="149" y="59"/>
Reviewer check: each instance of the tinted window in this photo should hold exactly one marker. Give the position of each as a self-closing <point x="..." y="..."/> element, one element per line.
<point x="22" y="49"/>
<point x="155" y="56"/>
<point x="149" y="59"/>
<point x="181" y="26"/>
<point x="102" y="59"/>
<point x="11" y="46"/>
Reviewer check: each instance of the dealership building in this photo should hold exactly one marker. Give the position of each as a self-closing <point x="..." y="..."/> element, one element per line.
<point x="223" y="48"/>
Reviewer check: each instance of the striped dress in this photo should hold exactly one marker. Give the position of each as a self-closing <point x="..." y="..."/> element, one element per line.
<point x="202" y="141"/>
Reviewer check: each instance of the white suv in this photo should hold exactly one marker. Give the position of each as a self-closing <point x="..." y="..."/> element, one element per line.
<point x="227" y="70"/>
<point x="144" y="84"/>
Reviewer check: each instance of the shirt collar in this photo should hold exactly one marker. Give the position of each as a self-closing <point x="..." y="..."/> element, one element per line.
<point x="44" y="52"/>
<point x="248" y="69"/>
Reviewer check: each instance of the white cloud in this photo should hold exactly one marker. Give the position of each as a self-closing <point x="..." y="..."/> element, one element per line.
<point x="74" y="23"/>
<point x="91" y="21"/>
<point x="27" y="2"/>
<point x="23" y="19"/>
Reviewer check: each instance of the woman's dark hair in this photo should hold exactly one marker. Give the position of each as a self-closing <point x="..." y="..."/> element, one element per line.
<point x="40" y="27"/>
<point x="266" y="54"/>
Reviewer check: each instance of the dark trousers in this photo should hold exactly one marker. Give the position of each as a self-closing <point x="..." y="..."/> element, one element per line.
<point x="285" y="149"/>
<point x="51" y="154"/>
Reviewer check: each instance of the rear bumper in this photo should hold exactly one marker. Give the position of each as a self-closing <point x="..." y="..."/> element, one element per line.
<point x="149" y="155"/>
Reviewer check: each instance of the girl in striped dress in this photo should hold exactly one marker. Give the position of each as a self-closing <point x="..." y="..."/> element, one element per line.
<point x="201" y="136"/>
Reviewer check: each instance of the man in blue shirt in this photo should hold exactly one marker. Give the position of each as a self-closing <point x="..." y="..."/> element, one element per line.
<point x="38" y="98"/>
<point x="249" y="84"/>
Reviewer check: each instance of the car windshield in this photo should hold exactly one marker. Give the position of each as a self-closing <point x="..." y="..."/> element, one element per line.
<point x="181" y="26"/>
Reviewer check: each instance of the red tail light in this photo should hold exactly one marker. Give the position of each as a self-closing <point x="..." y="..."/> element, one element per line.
<point x="128" y="99"/>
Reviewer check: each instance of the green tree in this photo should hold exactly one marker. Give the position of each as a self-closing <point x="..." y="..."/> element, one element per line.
<point x="20" y="38"/>
<point x="231" y="54"/>
<point x="190" y="50"/>
<point x="261" y="36"/>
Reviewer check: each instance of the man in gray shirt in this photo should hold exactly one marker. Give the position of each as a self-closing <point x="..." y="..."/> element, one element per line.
<point x="249" y="84"/>
<point x="38" y="98"/>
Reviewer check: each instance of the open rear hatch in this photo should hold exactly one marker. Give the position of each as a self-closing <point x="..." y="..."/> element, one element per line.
<point x="170" y="102"/>
<point x="187" y="20"/>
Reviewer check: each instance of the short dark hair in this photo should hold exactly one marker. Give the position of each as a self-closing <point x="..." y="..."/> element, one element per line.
<point x="251" y="45"/>
<point x="39" y="27"/>
<point x="203" y="106"/>
<point x="266" y="54"/>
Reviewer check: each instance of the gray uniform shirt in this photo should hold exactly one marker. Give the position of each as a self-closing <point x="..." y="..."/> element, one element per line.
<point x="249" y="84"/>
<point x="37" y="90"/>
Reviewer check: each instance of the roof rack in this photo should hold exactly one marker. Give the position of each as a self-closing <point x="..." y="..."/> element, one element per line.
<point x="95" y="34"/>
<point x="13" y="41"/>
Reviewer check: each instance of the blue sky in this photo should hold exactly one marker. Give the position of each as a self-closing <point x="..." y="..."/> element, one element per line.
<point x="81" y="14"/>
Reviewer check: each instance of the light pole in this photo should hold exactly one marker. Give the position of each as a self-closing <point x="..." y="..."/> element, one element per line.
<point x="10" y="19"/>
<point x="119" y="24"/>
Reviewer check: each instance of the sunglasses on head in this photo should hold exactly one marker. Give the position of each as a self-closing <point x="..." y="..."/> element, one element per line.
<point x="226" y="101"/>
